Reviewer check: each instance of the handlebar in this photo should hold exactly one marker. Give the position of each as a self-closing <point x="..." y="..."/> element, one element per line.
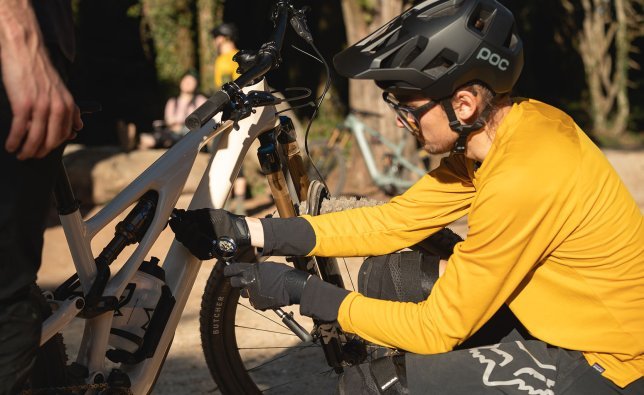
<point x="207" y="110"/>
<point x="268" y="58"/>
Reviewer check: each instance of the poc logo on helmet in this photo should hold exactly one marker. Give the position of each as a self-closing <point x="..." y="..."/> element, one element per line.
<point x="493" y="58"/>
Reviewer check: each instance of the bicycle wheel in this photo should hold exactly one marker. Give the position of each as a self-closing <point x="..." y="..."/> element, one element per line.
<point x="331" y="164"/>
<point x="250" y="352"/>
<point x="49" y="371"/>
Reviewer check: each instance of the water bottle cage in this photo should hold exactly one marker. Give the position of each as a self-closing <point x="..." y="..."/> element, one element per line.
<point x="153" y="333"/>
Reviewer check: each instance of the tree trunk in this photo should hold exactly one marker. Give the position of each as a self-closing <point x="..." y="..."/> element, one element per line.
<point x="622" y="47"/>
<point x="206" y="21"/>
<point x="171" y="27"/>
<point x="364" y="95"/>
<point x="604" y="45"/>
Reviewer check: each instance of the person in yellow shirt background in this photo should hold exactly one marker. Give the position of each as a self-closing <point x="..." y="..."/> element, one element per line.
<point x="554" y="237"/>
<point x="225" y="38"/>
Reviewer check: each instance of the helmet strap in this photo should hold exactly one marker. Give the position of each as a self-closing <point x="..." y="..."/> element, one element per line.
<point x="462" y="129"/>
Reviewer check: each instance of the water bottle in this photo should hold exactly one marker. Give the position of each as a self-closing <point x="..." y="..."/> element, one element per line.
<point x="136" y="306"/>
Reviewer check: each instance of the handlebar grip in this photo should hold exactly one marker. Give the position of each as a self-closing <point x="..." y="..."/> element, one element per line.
<point x="206" y="111"/>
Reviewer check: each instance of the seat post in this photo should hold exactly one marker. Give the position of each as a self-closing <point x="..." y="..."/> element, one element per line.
<point x="64" y="198"/>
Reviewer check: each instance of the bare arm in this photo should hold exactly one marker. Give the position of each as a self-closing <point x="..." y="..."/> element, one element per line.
<point x="44" y="112"/>
<point x="256" y="232"/>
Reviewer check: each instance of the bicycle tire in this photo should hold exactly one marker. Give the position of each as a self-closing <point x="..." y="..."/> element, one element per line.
<point x="50" y="368"/>
<point x="221" y="333"/>
<point x="331" y="164"/>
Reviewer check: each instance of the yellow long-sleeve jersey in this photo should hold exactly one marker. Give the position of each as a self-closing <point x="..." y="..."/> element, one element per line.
<point x="553" y="232"/>
<point x="225" y="69"/>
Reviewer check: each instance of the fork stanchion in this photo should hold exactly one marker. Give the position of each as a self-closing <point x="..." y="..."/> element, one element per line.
<point x="272" y="169"/>
<point x="291" y="150"/>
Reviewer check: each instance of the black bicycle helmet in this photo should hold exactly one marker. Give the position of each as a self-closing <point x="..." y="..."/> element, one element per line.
<point x="438" y="46"/>
<point x="227" y="30"/>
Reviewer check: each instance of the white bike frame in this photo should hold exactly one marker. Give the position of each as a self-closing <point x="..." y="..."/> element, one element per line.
<point x="167" y="176"/>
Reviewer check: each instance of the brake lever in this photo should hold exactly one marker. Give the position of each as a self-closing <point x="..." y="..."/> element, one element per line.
<point x="261" y="98"/>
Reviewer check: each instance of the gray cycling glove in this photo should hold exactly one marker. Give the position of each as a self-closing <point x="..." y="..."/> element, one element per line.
<point x="197" y="229"/>
<point x="271" y="285"/>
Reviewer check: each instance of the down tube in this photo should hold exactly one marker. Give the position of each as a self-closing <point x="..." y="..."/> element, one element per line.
<point x="180" y="266"/>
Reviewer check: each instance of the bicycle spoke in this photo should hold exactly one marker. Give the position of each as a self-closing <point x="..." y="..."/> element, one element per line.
<point x="274" y="359"/>
<point x="327" y="371"/>
<point x="264" y="330"/>
<point x="346" y="266"/>
<point x="258" y="313"/>
<point x="286" y="347"/>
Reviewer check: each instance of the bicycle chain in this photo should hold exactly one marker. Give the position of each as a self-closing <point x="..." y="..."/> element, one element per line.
<point x="76" y="389"/>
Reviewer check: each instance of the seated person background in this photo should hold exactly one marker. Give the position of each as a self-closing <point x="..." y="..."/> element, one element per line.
<point x="172" y="128"/>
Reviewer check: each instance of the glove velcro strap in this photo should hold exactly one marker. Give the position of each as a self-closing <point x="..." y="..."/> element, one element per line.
<point x="294" y="283"/>
<point x="321" y="300"/>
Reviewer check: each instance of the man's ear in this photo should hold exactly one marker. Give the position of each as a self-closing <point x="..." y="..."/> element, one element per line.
<point x="465" y="105"/>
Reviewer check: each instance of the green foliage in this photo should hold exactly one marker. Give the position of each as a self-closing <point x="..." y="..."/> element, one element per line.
<point x="171" y="26"/>
<point x="369" y="8"/>
<point x="135" y="11"/>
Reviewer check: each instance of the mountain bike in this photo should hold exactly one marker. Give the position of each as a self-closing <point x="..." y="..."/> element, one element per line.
<point x="392" y="166"/>
<point x="118" y="359"/>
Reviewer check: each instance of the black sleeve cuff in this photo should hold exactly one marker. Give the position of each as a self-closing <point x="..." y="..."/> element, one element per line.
<point x="321" y="300"/>
<point x="287" y="236"/>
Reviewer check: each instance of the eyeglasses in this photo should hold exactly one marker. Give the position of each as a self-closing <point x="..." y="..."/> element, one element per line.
<point x="409" y="116"/>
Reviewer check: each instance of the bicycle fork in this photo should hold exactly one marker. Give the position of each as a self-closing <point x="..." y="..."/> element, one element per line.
<point x="271" y="164"/>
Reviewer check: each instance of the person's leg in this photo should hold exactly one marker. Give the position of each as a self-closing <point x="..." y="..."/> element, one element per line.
<point x="517" y="367"/>
<point x="384" y="375"/>
<point x="502" y="368"/>
<point x="19" y="336"/>
<point x="405" y="276"/>
<point x="25" y="200"/>
<point x="590" y="381"/>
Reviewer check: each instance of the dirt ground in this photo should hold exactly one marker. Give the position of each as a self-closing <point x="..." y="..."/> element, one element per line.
<point x="185" y="370"/>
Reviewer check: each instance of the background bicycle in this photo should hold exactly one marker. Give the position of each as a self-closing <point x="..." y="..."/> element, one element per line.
<point x="392" y="165"/>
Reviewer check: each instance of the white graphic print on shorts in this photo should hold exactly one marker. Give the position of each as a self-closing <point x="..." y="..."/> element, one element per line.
<point x="524" y="372"/>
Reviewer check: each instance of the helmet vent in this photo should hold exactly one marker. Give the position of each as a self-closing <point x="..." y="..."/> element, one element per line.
<point x="438" y="8"/>
<point x="440" y="64"/>
<point x="480" y="20"/>
<point x="408" y="53"/>
<point x="512" y="40"/>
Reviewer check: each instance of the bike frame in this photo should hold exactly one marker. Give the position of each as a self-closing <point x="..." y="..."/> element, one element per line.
<point x="167" y="176"/>
<point x="382" y="180"/>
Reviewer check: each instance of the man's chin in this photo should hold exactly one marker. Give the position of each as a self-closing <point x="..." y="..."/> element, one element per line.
<point x="434" y="150"/>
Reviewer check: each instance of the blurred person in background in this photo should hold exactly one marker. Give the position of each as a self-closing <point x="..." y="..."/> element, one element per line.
<point x="177" y="109"/>
<point x="225" y="38"/>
